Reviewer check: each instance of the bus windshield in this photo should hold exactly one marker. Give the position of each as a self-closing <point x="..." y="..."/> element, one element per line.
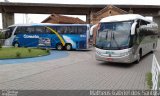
<point x="114" y="35"/>
<point x="8" y="32"/>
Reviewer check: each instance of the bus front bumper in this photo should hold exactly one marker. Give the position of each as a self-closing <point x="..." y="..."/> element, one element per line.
<point x="121" y="59"/>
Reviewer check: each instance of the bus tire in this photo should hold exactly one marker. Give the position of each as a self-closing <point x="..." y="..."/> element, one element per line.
<point x="68" y="47"/>
<point x="16" y="44"/>
<point x="59" y="47"/>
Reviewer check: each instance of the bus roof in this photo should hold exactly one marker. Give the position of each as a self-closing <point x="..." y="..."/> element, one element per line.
<point x="124" y="17"/>
<point x="48" y="24"/>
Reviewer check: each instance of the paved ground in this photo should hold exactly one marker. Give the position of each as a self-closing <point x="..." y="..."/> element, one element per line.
<point x="79" y="70"/>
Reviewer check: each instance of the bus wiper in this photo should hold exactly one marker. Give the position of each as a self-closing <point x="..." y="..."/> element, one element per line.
<point x="115" y="40"/>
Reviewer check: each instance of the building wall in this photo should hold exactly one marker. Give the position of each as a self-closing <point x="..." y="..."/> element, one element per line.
<point x="107" y="11"/>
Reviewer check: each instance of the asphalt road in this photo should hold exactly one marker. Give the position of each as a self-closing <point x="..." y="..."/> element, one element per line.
<point x="77" y="71"/>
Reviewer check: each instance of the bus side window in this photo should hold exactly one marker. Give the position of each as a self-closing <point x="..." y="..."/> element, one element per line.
<point x="47" y="31"/>
<point x="69" y="30"/>
<point x="40" y="29"/>
<point x="79" y="30"/>
<point x="143" y="27"/>
<point x="30" y="30"/>
<point x="74" y="29"/>
<point x="82" y="29"/>
<point x="61" y="29"/>
<point x="18" y="31"/>
<point x="66" y="29"/>
<point x="54" y="28"/>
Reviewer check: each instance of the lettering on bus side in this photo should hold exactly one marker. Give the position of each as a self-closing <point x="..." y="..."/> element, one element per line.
<point x="30" y="36"/>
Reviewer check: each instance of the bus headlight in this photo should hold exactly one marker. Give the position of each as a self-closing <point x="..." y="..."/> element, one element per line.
<point x="126" y="53"/>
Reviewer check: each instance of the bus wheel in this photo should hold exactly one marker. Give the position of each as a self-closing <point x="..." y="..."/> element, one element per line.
<point x="68" y="47"/>
<point x="59" y="47"/>
<point x="16" y="44"/>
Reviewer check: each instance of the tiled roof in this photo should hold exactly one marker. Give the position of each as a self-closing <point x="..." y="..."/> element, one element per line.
<point x="55" y="18"/>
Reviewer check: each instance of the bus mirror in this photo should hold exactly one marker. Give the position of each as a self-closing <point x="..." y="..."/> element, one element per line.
<point x="92" y="29"/>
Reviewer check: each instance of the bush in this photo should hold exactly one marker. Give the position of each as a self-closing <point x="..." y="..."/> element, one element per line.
<point x="29" y="50"/>
<point x="48" y="50"/>
<point x="18" y="54"/>
<point x="149" y="80"/>
<point x="2" y="36"/>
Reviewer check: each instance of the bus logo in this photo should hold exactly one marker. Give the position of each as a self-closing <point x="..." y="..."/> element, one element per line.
<point x="30" y="36"/>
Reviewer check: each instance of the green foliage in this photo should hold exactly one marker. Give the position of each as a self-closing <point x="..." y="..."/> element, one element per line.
<point x="18" y="54"/>
<point x="29" y="50"/>
<point x="2" y="36"/>
<point x="48" y="50"/>
<point x="149" y="80"/>
<point x="6" y="53"/>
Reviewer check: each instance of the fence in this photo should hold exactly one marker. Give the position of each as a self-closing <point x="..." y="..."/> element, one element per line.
<point x="155" y="74"/>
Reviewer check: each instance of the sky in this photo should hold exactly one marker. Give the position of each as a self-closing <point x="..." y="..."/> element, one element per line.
<point x="37" y="18"/>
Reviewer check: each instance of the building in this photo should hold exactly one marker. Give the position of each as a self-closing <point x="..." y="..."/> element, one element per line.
<point x="105" y="12"/>
<point x="59" y="19"/>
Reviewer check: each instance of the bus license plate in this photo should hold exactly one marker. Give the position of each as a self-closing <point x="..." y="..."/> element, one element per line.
<point x="109" y="59"/>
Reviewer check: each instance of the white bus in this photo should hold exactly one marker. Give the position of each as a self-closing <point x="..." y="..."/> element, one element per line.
<point x="125" y="38"/>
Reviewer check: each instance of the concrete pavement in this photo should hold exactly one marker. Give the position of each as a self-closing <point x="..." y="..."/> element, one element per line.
<point x="78" y="71"/>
